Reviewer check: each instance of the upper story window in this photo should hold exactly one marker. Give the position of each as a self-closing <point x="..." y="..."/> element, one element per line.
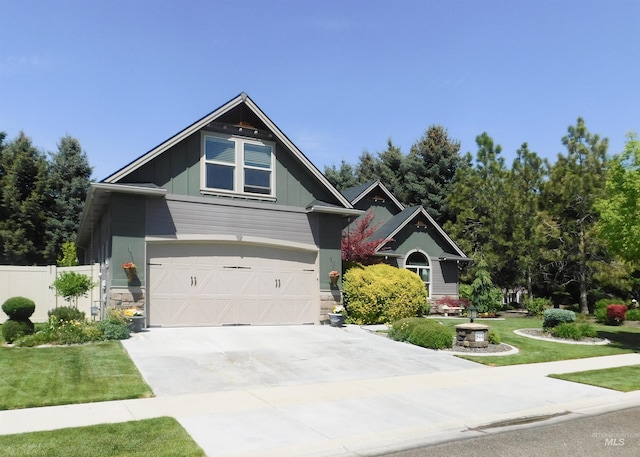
<point x="238" y="165"/>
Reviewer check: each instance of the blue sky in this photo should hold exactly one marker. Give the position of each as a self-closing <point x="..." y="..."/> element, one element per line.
<point x="337" y="77"/>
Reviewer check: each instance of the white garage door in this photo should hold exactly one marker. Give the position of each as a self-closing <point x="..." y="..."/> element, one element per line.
<point x="227" y="284"/>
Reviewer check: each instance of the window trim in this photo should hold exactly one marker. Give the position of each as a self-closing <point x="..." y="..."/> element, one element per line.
<point x="239" y="167"/>
<point x="413" y="268"/>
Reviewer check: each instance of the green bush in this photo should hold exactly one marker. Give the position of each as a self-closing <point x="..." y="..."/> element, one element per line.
<point x="536" y="306"/>
<point x="422" y="332"/>
<point x="18" y="308"/>
<point x="378" y="294"/>
<point x="431" y="337"/>
<point x="114" y="330"/>
<point x="633" y="314"/>
<point x="601" y="315"/>
<point x="555" y="316"/>
<point x="14" y="329"/>
<point x="401" y="329"/>
<point x="604" y="302"/>
<point x="573" y="331"/>
<point x="67" y="313"/>
<point x="115" y="326"/>
<point x="493" y="337"/>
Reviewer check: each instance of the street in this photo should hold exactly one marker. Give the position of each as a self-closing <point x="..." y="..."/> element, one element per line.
<point x="611" y="434"/>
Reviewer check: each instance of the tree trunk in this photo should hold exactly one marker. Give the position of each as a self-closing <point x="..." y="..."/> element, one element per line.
<point x="582" y="275"/>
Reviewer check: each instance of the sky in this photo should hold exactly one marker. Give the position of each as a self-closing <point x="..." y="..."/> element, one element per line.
<point x="338" y="77"/>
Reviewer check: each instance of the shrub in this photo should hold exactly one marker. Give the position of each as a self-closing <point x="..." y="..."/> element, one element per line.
<point x="604" y="302"/>
<point x="616" y="314"/>
<point x="14" y="329"/>
<point x="431" y="337"/>
<point x="450" y="301"/>
<point x="554" y="317"/>
<point x="536" y="306"/>
<point x="18" y="308"/>
<point x="378" y="294"/>
<point x="422" y="332"/>
<point x="493" y="337"/>
<point x="633" y="315"/>
<point x="114" y="331"/>
<point x="573" y="331"/>
<point x="67" y="313"/>
<point x="400" y="330"/>
<point x="115" y="326"/>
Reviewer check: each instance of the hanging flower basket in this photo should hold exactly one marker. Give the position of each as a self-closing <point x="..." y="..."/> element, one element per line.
<point x="131" y="271"/>
<point x="334" y="276"/>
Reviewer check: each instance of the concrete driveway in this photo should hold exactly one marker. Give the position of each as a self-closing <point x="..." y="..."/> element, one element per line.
<point x="176" y="361"/>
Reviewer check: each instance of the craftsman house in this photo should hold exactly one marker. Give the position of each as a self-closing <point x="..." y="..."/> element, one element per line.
<point x="225" y="223"/>
<point x="409" y="238"/>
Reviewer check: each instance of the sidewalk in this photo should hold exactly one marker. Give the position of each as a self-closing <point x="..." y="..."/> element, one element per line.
<point x="360" y="417"/>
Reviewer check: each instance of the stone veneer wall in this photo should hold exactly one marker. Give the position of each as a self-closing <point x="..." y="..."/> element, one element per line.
<point x="133" y="297"/>
<point x="328" y="299"/>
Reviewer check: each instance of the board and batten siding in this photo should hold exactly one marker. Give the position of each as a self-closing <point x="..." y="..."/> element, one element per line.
<point x="201" y="216"/>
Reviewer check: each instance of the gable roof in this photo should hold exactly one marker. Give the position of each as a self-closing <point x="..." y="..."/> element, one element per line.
<point x="357" y="193"/>
<point x="393" y="226"/>
<point x="243" y="98"/>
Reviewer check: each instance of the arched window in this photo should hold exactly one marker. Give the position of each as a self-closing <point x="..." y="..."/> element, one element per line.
<point x="419" y="264"/>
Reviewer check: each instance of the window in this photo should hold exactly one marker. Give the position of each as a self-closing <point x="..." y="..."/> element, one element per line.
<point x="237" y="165"/>
<point x="419" y="264"/>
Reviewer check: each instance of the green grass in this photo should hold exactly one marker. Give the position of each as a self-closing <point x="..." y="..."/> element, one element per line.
<point x="624" y="339"/>
<point x="47" y="376"/>
<point x="153" y="437"/>
<point x="624" y="379"/>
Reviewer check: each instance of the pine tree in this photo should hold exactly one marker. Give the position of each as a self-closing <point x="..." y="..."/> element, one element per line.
<point x="428" y="172"/>
<point x="69" y="179"/>
<point x="23" y="199"/>
<point x="573" y="251"/>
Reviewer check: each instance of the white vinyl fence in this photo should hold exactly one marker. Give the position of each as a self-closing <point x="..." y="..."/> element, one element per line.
<point x="36" y="283"/>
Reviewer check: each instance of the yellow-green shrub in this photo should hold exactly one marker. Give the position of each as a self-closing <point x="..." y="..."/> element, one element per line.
<point x="379" y="294"/>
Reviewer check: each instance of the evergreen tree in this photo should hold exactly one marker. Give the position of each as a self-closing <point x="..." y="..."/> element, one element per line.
<point x="477" y="200"/>
<point x="23" y="199"/>
<point x="525" y="180"/>
<point x="69" y="179"/>
<point x="429" y="170"/>
<point x="341" y="178"/>
<point x="572" y="250"/>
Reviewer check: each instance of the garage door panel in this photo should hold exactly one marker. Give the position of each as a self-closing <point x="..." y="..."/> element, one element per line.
<point x="234" y="284"/>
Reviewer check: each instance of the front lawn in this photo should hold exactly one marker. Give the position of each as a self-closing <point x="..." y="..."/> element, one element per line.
<point x="160" y="437"/>
<point x="624" y="379"/>
<point x="61" y="375"/>
<point x="624" y="339"/>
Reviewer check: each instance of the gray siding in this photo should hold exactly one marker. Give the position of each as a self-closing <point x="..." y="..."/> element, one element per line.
<point x="444" y="278"/>
<point x="204" y="216"/>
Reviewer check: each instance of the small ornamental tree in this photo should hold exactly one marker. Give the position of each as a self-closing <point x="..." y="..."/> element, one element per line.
<point x="72" y="286"/>
<point x="484" y="296"/>
<point x="357" y="245"/>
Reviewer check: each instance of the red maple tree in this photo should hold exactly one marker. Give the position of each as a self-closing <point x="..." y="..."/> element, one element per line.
<point x="356" y="245"/>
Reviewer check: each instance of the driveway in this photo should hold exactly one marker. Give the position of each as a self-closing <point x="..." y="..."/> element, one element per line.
<point x="177" y="361"/>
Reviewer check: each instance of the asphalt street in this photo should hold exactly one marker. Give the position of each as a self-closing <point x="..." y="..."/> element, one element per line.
<point x="611" y="434"/>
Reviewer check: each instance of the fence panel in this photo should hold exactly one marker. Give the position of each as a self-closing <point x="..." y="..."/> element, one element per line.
<point x="36" y="283"/>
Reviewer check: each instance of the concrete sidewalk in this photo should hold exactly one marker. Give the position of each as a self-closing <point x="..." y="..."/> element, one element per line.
<point x="355" y="417"/>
